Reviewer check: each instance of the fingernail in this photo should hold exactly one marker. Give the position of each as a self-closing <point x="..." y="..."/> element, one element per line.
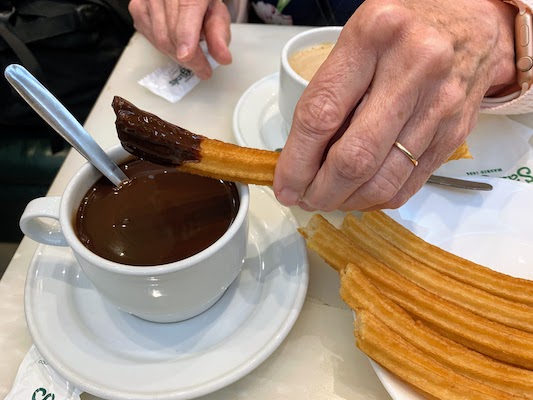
<point x="183" y="51"/>
<point x="288" y="197"/>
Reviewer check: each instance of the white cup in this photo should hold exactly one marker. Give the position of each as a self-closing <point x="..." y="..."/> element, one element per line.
<point x="162" y="293"/>
<point x="292" y="85"/>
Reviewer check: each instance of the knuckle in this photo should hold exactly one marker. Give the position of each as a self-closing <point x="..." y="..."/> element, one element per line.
<point x="318" y="114"/>
<point x="386" y="17"/>
<point x="435" y="53"/>
<point x="188" y="3"/>
<point x="183" y="4"/>
<point x="354" y="162"/>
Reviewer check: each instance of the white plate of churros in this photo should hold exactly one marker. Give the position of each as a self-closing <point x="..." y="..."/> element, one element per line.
<point x="442" y="290"/>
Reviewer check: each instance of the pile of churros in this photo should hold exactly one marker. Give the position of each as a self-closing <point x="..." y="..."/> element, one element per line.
<point x="449" y="327"/>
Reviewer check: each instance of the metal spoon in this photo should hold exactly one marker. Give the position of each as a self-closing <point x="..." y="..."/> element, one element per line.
<point x="63" y="122"/>
<point x="454" y="182"/>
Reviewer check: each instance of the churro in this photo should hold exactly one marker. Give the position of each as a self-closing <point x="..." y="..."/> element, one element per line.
<point x="508" y="287"/>
<point x="359" y="293"/>
<point x="510" y="313"/>
<point x="147" y="136"/>
<point x="457" y="323"/>
<point x="431" y="378"/>
<point x="461" y="152"/>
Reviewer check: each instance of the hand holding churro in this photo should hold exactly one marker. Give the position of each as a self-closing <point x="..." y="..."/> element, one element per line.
<point x="149" y="137"/>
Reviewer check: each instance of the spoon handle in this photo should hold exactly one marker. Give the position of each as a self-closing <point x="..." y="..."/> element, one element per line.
<point x="63" y="122"/>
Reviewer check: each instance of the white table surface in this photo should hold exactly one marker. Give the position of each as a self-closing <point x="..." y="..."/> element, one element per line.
<point x="318" y="360"/>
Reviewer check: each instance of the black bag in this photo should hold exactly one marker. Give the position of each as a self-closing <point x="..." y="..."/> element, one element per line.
<point x="71" y="46"/>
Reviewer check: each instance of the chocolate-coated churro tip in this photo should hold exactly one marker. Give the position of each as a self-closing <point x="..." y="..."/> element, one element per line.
<point x="147" y="136"/>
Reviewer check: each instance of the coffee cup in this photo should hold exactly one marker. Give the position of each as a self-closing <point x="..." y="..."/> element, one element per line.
<point x="159" y="292"/>
<point x="312" y="45"/>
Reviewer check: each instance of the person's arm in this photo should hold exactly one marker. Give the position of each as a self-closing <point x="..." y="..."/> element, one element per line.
<point x="416" y="72"/>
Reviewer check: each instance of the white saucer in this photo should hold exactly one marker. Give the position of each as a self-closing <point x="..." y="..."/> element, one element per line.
<point x="114" y="355"/>
<point x="257" y="121"/>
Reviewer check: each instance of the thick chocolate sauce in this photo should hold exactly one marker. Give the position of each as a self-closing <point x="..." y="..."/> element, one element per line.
<point x="160" y="216"/>
<point x="150" y="138"/>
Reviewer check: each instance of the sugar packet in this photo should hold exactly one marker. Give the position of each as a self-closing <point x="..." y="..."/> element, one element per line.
<point x="36" y="380"/>
<point x="174" y="81"/>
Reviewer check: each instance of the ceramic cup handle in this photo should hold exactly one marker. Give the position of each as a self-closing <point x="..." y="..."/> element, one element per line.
<point x="43" y="231"/>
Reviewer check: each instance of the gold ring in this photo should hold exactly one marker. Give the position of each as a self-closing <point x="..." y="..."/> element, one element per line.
<point x="407" y="153"/>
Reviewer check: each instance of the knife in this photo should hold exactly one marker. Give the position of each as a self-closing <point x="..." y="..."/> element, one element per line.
<point x="459" y="183"/>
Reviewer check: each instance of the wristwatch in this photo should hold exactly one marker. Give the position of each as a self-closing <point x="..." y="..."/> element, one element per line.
<point x="523" y="46"/>
<point x="520" y="102"/>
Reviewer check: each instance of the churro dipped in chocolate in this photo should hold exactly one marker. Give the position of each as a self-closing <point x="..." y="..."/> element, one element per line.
<point x="147" y="136"/>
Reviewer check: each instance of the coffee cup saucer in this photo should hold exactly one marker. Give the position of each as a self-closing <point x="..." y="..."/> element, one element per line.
<point x="114" y="355"/>
<point x="257" y="122"/>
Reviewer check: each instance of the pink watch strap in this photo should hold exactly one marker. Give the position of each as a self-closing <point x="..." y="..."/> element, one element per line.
<point x="515" y="103"/>
<point x="522" y="104"/>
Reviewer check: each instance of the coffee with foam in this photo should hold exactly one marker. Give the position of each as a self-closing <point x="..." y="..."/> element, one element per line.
<point x="306" y="62"/>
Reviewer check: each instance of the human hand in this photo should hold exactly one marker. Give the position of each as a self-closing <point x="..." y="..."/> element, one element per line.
<point x="415" y="72"/>
<point x="176" y="26"/>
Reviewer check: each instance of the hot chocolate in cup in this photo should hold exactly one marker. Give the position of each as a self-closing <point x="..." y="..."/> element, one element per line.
<point x="165" y="248"/>
<point x="301" y="56"/>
